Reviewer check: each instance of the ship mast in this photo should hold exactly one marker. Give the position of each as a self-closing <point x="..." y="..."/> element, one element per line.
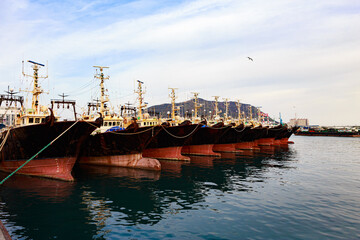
<point x="216" y="107"/>
<point x="226" y="108"/>
<point x="140" y="93"/>
<point x="196" y="105"/>
<point x="250" y="112"/>
<point x="103" y="97"/>
<point x="259" y="114"/>
<point x="36" y="87"/>
<point x="238" y="105"/>
<point x="173" y="108"/>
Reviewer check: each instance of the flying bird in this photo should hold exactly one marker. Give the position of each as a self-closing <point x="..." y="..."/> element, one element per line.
<point x="250" y="58"/>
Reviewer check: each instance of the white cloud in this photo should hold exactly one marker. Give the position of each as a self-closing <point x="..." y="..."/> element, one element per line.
<point x="304" y="52"/>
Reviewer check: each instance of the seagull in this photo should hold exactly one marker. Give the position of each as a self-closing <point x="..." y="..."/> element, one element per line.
<point x="250" y="58"/>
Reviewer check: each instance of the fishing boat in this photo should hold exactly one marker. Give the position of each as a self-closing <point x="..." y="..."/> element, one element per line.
<point x="202" y="142"/>
<point x="328" y="132"/>
<point x="168" y="143"/>
<point x="39" y="144"/>
<point x="120" y="147"/>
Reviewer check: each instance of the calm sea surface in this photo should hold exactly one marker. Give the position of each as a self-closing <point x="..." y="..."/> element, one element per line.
<point x="311" y="190"/>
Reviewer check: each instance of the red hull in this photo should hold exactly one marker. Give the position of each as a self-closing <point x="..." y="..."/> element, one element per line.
<point x="265" y="141"/>
<point x="170" y="153"/>
<point x="247" y="146"/>
<point x="201" y="150"/>
<point x="129" y="160"/>
<point x="229" y="148"/>
<point x="56" y="168"/>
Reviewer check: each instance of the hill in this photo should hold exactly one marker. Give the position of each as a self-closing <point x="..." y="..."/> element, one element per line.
<point x="207" y="109"/>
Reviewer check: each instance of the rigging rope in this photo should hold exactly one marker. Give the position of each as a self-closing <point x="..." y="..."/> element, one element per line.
<point x="239" y="131"/>
<point x="120" y="133"/>
<point x="181" y="136"/>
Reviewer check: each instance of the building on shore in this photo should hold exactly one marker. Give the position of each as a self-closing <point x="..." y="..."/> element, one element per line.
<point x="301" y="122"/>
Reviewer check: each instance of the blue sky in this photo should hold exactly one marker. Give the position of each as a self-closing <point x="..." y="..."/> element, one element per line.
<point x="306" y="53"/>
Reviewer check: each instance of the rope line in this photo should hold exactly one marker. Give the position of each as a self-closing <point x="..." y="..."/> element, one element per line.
<point x="37" y="153"/>
<point x="218" y="128"/>
<point x="149" y="129"/>
<point x="120" y="133"/>
<point x="4" y="141"/>
<point x="239" y="131"/>
<point x="180" y="137"/>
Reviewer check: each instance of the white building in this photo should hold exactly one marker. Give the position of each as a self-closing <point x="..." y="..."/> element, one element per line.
<point x="8" y="115"/>
<point x="301" y="122"/>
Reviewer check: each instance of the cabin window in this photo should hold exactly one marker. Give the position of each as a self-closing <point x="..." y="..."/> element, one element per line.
<point x="42" y="120"/>
<point x="105" y="124"/>
<point x="31" y="120"/>
<point x="37" y="120"/>
<point x="118" y="123"/>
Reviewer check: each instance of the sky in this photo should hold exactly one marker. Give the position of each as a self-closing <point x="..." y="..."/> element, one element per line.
<point x="306" y="54"/>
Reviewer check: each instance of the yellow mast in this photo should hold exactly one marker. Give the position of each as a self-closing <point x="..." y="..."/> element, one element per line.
<point x="259" y="115"/>
<point x="140" y="93"/>
<point x="226" y="108"/>
<point x="173" y="108"/>
<point x="103" y="98"/>
<point x="250" y="112"/>
<point x="216" y="107"/>
<point x="238" y="104"/>
<point x="36" y="88"/>
<point x="196" y="105"/>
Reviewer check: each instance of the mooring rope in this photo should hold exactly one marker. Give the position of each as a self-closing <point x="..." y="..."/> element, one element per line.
<point x="180" y="137"/>
<point x="275" y="129"/>
<point x="120" y="133"/>
<point x="218" y="128"/>
<point x="37" y="153"/>
<point x="240" y="130"/>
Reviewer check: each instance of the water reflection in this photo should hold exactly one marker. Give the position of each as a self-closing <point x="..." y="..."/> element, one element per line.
<point x="41" y="188"/>
<point x="106" y="199"/>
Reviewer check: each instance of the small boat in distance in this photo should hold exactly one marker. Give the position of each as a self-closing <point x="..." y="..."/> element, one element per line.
<point x="328" y="132"/>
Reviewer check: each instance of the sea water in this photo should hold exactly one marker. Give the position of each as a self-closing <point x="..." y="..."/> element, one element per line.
<point x="308" y="190"/>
